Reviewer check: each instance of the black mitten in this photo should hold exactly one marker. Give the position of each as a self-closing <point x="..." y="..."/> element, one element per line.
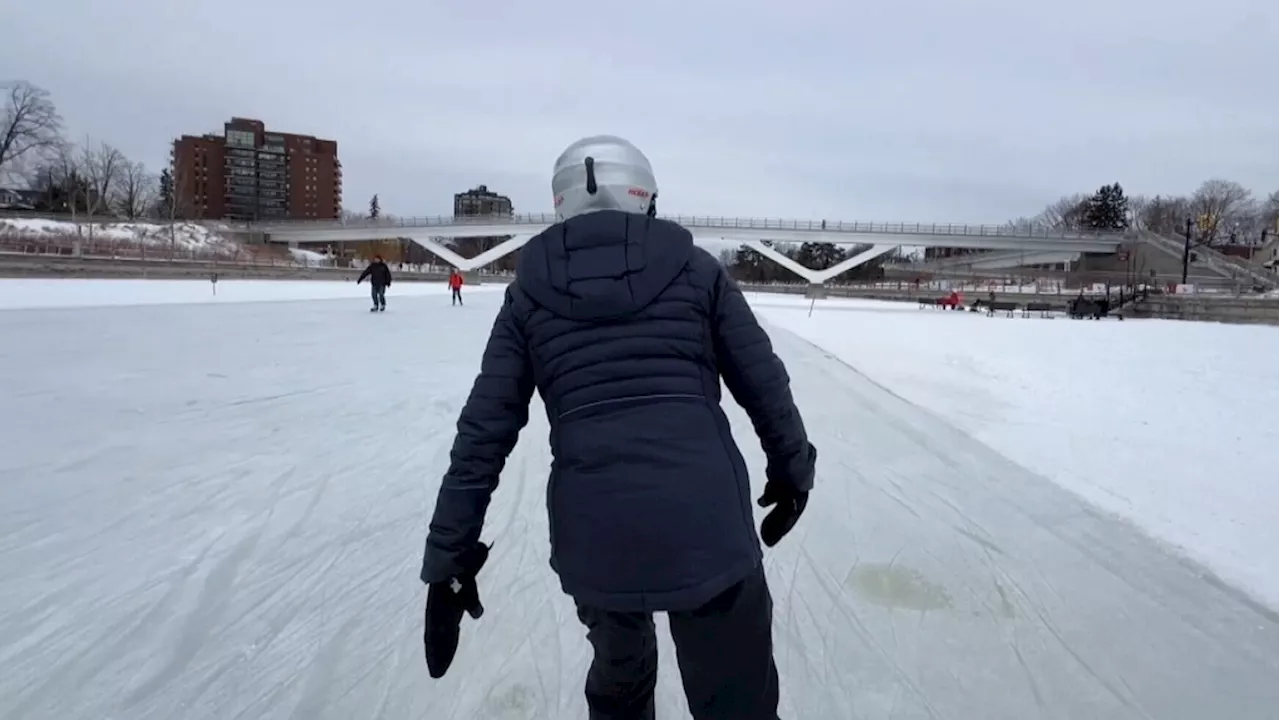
<point x="790" y="504"/>
<point x="446" y="602"/>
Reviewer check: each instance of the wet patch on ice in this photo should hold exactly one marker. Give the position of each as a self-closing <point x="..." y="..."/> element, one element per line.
<point x="896" y="586"/>
<point x="518" y="701"/>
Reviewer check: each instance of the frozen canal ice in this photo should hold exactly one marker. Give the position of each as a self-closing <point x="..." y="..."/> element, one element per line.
<point x="217" y="512"/>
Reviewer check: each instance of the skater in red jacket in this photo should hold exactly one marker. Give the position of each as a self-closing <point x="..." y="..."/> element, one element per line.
<point x="455" y="287"/>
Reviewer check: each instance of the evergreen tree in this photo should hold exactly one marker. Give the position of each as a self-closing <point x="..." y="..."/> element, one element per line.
<point x="819" y="255"/>
<point x="166" y="192"/>
<point x="374" y="209"/>
<point x="748" y="265"/>
<point x="1107" y="209"/>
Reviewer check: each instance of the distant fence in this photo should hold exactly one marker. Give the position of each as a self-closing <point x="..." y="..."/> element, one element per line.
<point x="1013" y="285"/>
<point x="21" y="241"/>
<point x="40" y="254"/>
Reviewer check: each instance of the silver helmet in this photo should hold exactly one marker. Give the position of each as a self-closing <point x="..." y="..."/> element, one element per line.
<point x="603" y="172"/>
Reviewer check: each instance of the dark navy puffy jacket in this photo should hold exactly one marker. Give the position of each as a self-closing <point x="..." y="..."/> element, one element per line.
<point x="626" y="329"/>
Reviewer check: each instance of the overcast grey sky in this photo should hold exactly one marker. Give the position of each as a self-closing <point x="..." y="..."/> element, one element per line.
<point x="913" y="110"/>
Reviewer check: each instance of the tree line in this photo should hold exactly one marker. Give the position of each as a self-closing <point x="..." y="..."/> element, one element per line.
<point x="89" y="179"/>
<point x="1221" y="212"/>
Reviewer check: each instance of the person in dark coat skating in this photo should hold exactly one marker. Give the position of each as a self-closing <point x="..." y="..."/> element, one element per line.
<point x="379" y="280"/>
<point x="626" y="330"/>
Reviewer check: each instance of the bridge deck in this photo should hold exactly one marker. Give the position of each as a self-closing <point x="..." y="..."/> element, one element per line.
<point x="838" y="232"/>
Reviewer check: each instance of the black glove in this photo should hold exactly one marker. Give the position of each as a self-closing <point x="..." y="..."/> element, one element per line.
<point x="790" y="505"/>
<point x="446" y="602"/>
<point x="781" y="489"/>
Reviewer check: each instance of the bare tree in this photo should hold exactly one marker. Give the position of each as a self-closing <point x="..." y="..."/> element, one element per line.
<point x="1269" y="215"/>
<point x="176" y="205"/>
<point x="136" y="190"/>
<point x="1219" y="205"/>
<point x="62" y="180"/>
<point x="1163" y="215"/>
<point x="29" y="126"/>
<point x="102" y="167"/>
<point x="1066" y="213"/>
<point x="65" y="171"/>
<point x="1138" y="205"/>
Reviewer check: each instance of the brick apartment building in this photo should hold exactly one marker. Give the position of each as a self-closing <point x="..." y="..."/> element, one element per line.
<point x="250" y="173"/>
<point x="480" y="201"/>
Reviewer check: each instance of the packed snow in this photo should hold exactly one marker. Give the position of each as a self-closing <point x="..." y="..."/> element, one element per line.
<point x="54" y="293"/>
<point x="187" y="236"/>
<point x="214" y="510"/>
<point x="310" y="258"/>
<point x="1170" y="424"/>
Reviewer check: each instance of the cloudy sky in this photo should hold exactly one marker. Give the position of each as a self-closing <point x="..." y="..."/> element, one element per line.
<point x="911" y="110"/>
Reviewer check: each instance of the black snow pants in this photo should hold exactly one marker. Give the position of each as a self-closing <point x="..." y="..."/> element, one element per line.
<point x="456" y="296"/>
<point x="724" y="649"/>
<point x="379" y="293"/>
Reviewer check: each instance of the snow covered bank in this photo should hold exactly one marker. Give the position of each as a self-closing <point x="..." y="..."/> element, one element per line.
<point x="184" y="235"/>
<point x="1171" y="424"/>
<point x="49" y="293"/>
<point x="310" y="258"/>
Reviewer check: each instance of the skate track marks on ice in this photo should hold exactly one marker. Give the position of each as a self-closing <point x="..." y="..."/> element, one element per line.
<point x="217" y="512"/>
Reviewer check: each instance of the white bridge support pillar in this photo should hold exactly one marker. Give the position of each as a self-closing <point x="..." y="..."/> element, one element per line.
<point x="816" y="292"/>
<point x="471" y="265"/>
<point x="819" y="277"/>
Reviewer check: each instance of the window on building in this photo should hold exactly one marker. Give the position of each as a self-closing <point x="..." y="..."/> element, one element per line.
<point x="239" y="138"/>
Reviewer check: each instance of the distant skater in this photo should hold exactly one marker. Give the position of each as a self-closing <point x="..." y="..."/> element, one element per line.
<point x="455" y="287"/>
<point x="379" y="280"/>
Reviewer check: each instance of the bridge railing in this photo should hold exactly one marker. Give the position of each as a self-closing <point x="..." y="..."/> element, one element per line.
<point x="710" y="222"/>
<point x="690" y="221"/>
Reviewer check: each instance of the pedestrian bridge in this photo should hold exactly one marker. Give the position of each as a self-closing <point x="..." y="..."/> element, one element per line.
<point x="752" y="232"/>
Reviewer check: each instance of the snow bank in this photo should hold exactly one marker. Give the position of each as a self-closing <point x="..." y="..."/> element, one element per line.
<point x="185" y="235"/>
<point x="65" y="293"/>
<point x="1170" y="424"/>
<point x="310" y="258"/>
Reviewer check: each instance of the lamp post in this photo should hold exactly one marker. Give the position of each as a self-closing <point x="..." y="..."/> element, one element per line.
<point x="1186" y="252"/>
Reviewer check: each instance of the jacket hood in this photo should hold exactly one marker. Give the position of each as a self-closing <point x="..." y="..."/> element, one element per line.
<point x="602" y="265"/>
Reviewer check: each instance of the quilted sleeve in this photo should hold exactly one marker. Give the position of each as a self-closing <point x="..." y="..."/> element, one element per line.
<point x="488" y="428"/>
<point x="758" y="381"/>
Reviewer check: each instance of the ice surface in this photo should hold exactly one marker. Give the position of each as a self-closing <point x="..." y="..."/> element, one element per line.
<point x="54" y="293"/>
<point x="216" y="511"/>
<point x="1171" y="424"/>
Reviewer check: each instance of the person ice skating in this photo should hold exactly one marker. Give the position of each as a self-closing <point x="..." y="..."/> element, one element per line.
<point x="626" y="329"/>
<point x="379" y="280"/>
<point x="455" y="287"/>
